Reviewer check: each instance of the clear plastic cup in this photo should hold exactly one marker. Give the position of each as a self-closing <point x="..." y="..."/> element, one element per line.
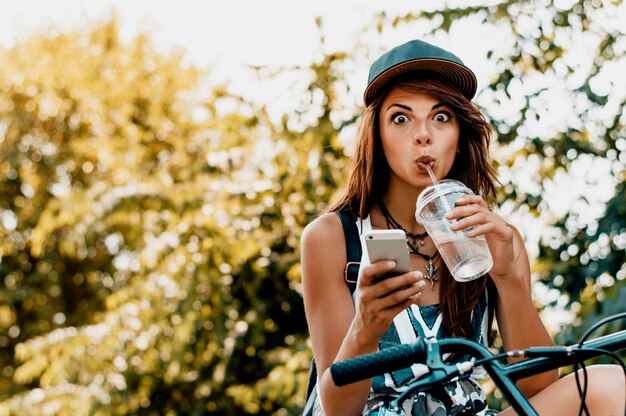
<point x="468" y="258"/>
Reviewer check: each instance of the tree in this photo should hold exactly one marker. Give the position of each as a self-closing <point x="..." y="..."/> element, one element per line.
<point x="150" y="251"/>
<point x="150" y="262"/>
<point x="556" y="102"/>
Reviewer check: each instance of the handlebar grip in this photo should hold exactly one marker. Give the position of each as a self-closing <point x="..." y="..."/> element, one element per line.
<point x="384" y="361"/>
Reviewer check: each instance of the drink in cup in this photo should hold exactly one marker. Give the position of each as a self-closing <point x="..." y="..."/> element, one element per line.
<point x="468" y="258"/>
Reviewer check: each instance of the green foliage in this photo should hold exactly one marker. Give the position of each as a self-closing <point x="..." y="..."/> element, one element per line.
<point x="149" y="250"/>
<point x="559" y="59"/>
<point x="151" y="238"/>
<point x="572" y="53"/>
<point x="576" y="251"/>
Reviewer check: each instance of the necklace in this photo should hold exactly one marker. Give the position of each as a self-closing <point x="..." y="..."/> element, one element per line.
<point x="431" y="269"/>
<point x="391" y="222"/>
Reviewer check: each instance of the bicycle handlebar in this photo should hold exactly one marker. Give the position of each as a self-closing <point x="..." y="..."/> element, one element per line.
<point x="429" y="352"/>
<point x="385" y="361"/>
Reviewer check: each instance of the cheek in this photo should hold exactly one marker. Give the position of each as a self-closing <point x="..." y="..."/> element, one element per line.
<point x="391" y="142"/>
<point x="451" y="149"/>
<point x="452" y="141"/>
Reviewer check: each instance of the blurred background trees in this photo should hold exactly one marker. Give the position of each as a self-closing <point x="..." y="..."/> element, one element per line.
<point x="150" y="229"/>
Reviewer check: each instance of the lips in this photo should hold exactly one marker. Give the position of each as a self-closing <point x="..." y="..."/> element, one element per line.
<point x="424" y="161"/>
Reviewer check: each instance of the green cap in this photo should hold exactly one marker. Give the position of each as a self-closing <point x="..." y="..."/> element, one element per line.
<point x="418" y="55"/>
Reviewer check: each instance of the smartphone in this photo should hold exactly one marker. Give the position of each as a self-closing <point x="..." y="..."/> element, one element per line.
<point x="388" y="245"/>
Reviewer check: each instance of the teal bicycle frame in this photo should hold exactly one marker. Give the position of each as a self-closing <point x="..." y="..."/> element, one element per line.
<point x="429" y="351"/>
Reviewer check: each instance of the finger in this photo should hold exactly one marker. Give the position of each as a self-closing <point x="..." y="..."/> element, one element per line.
<point x="500" y="232"/>
<point x="471" y="220"/>
<point x="395" y="283"/>
<point x="491" y="230"/>
<point x="481" y="230"/>
<point x="478" y="218"/>
<point x="401" y="298"/>
<point x="375" y="270"/>
<point x="465" y="211"/>
<point x="471" y="199"/>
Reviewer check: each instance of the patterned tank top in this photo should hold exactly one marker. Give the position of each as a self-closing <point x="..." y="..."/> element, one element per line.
<point x="425" y="321"/>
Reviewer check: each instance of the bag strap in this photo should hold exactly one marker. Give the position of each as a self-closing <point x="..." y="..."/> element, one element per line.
<point x="353" y="249"/>
<point x="310" y="390"/>
<point x="350" y="275"/>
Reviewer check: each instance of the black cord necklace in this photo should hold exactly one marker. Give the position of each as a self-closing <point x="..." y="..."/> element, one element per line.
<point x="431" y="269"/>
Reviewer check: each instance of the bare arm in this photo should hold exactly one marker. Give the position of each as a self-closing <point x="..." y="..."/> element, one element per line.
<point x="338" y="329"/>
<point x="518" y="320"/>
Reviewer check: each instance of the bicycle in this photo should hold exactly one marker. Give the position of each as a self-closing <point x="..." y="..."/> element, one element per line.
<point x="429" y="351"/>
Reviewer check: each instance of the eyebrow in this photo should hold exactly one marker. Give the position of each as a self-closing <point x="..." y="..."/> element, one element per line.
<point x="407" y="108"/>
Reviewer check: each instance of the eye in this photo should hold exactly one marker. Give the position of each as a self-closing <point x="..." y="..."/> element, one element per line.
<point x="442" y="116"/>
<point x="399" y="118"/>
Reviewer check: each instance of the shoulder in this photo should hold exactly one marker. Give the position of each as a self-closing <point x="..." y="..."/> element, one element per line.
<point x="324" y="229"/>
<point x="323" y="252"/>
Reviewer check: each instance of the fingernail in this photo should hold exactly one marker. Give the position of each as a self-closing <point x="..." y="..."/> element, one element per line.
<point x="417" y="275"/>
<point x="391" y="263"/>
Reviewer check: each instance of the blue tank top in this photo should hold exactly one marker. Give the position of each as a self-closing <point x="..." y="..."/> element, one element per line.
<point x="419" y="321"/>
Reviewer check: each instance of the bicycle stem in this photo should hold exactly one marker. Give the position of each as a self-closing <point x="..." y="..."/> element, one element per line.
<point x="497" y="371"/>
<point x="504" y="376"/>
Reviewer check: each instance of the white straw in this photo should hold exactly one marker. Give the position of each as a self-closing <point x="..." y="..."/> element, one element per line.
<point x="435" y="182"/>
<point x="431" y="174"/>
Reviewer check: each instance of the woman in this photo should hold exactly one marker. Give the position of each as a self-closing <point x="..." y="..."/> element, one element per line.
<point x="419" y="114"/>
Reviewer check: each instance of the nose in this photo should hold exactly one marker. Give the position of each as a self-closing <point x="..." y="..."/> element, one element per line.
<point x="421" y="136"/>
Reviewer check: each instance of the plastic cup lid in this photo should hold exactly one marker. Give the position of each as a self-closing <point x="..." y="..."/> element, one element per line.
<point x="443" y="187"/>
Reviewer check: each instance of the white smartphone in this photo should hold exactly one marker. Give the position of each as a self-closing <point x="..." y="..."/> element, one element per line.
<point x="388" y="245"/>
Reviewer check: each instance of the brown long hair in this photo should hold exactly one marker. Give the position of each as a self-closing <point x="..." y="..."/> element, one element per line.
<point x="369" y="179"/>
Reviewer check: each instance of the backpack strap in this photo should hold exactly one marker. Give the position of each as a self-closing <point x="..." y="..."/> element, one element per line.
<point x="353" y="249"/>
<point x="350" y="275"/>
<point x="311" y="392"/>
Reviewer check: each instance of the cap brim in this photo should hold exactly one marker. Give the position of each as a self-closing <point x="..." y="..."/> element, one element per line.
<point x="461" y="76"/>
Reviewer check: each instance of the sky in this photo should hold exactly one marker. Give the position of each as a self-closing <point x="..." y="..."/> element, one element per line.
<point x="226" y="36"/>
<point x="230" y="33"/>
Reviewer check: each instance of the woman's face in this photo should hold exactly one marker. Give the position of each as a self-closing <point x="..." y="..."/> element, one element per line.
<point x="417" y="130"/>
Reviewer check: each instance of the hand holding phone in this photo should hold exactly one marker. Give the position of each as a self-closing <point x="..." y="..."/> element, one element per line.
<point x="388" y="245"/>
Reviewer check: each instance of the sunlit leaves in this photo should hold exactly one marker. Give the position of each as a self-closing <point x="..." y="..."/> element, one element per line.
<point x="149" y="236"/>
<point x="555" y="100"/>
<point x="156" y="233"/>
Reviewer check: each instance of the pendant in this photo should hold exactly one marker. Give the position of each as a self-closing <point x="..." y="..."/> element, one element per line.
<point x="430" y="273"/>
<point x="414" y="240"/>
